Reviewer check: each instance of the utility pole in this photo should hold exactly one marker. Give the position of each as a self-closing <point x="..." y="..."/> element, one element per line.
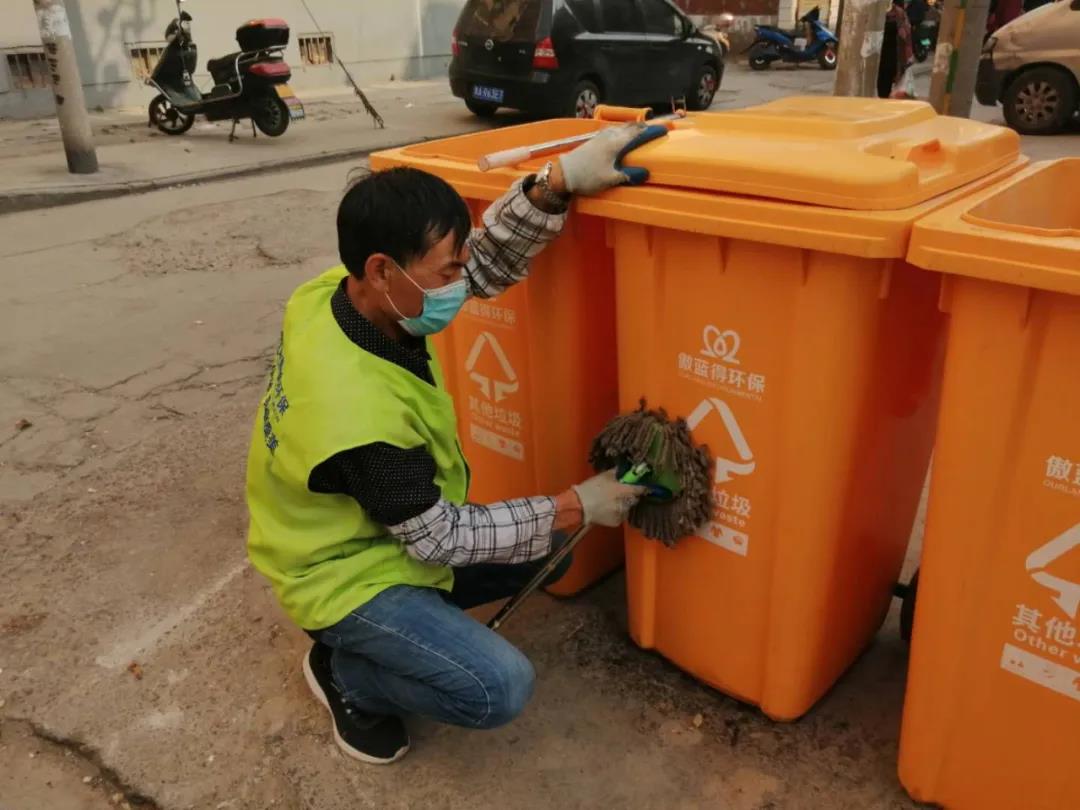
<point x="863" y="24"/>
<point x="956" y="61"/>
<point x="67" y="86"/>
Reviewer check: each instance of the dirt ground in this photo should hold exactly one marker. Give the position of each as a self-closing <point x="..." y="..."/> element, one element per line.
<point x="142" y="661"/>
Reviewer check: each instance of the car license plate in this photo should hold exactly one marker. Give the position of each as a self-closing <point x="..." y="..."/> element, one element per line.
<point x="482" y="93"/>
<point x="286" y="94"/>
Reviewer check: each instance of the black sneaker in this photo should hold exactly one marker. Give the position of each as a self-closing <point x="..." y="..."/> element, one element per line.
<point x="372" y="738"/>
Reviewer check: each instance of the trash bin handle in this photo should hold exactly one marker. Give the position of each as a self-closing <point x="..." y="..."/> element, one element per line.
<point x="924" y="153"/>
<point x="972" y="218"/>
<point x="636" y="175"/>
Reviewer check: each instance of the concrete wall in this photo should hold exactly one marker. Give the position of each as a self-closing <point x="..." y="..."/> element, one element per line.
<point x="740" y="8"/>
<point x="377" y="39"/>
<point x="749" y="13"/>
<point x="741" y="33"/>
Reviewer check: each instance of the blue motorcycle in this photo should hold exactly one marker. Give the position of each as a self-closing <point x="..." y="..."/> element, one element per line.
<point x="813" y="42"/>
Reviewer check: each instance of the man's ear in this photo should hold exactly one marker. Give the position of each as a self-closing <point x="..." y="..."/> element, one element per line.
<point x="377" y="270"/>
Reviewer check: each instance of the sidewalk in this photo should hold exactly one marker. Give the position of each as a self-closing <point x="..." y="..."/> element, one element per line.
<point x="134" y="157"/>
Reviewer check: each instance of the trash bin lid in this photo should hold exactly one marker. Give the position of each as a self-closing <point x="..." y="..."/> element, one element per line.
<point x="1024" y="231"/>
<point x="852" y="153"/>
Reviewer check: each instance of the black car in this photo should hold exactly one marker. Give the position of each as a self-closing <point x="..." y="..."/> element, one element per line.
<point x="563" y="57"/>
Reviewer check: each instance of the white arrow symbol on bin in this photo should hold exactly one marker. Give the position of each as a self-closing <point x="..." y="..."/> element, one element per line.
<point x="1068" y="593"/>
<point x="725" y="468"/>
<point x="502" y="388"/>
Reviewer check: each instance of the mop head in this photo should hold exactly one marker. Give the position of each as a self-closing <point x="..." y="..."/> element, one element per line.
<point x="679" y="500"/>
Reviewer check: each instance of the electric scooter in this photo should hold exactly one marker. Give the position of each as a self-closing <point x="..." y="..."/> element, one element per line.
<point x="812" y="42"/>
<point x="249" y="84"/>
<point x="925" y="39"/>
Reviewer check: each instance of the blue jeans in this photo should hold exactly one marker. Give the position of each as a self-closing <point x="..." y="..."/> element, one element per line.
<point x="415" y="650"/>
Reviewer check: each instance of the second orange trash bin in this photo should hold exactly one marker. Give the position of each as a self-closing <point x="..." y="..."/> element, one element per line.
<point x="992" y="713"/>
<point x="762" y="293"/>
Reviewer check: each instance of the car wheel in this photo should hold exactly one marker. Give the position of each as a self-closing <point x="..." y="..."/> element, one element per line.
<point x="757" y="58"/>
<point x="481" y="109"/>
<point x="703" y="91"/>
<point x="585" y="98"/>
<point x="1039" y="101"/>
<point x="827" y="57"/>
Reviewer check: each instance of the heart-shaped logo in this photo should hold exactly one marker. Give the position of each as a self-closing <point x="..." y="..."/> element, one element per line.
<point x="722" y="345"/>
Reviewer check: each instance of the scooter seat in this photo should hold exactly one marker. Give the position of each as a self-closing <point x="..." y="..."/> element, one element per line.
<point x="784" y="31"/>
<point x="222" y="64"/>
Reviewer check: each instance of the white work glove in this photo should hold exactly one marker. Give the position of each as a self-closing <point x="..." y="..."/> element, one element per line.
<point x="605" y="500"/>
<point x="590" y="168"/>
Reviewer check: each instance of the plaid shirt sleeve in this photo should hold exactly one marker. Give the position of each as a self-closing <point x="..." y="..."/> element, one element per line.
<point x="514" y="231"/>
<point x="512" y="531"/>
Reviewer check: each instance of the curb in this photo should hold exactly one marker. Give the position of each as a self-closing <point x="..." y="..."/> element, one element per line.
<point x="31" y="199"/>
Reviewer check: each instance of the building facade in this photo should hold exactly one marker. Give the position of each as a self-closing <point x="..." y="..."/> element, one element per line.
<point x="118" y="41"/>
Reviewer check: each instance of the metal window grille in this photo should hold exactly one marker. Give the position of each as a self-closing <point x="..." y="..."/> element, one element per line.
<point x="144" y="56"/>
<point x="28" y="68"/>
<point x="316" y="49"/>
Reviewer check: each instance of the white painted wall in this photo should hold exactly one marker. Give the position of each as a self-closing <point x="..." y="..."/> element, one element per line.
<point x="377" y="39"/>
<point x="790" y="11"/>
<point x="787" y="13"/>
<point x="741" y="32"/>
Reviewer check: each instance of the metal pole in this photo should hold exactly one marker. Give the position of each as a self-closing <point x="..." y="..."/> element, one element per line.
<point x="862" y="27"/>
<point x="956" y="61"/>
<point x="67" y="86"/>
<point x="419" y="31"/>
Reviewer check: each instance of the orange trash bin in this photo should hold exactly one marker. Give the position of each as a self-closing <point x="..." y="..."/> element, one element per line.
<point x="992" y="711"/>
<point x="531" y="372"/>
<point x="800" y="208"/>
<point x="762" y="293"/>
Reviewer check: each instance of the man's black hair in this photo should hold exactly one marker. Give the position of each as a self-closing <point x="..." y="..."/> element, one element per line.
<point x="401" y="212"/>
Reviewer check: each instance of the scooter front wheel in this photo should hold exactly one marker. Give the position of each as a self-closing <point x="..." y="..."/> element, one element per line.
<point x="758" y="59"/>
<point x="168" y="118"/>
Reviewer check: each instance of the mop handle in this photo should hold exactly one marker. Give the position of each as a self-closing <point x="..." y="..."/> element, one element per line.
<point x="519" y="154"/>
<point x="553" y="562"/>
<point x="632" y="476"/>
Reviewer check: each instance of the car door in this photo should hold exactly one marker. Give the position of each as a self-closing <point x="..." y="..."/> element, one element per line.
<point x="622" y="52"/>
<point x="669" y="73"/>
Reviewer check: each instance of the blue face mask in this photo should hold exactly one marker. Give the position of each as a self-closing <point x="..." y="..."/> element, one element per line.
<point x="440" y="307"/>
